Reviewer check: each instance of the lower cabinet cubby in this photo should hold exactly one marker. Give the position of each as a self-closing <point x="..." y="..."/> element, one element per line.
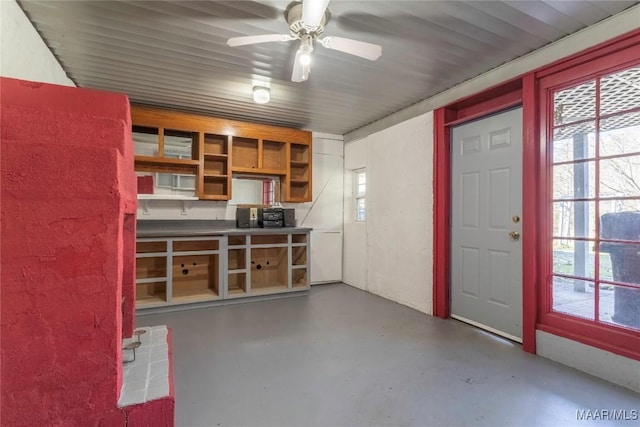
<point x="195" y="278"/>
<point x="236" y="284"/>
<point x="151" y="293"/>
<point x="299" y="278"/>
<point x="174" y="271"/>
<point x="269" y="270"/>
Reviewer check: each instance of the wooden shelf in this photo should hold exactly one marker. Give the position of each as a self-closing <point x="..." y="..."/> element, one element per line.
<point x="299" y="181"/>
<point x="150" y="302"/>
<point x="211" y="154"/>
<point x="236" y="291"/>
<point x="165" y="197"/>
<point x="258" y="171"/>
<point x="256" y="264"/>
<point x="268" y="288"/>
<point x="162" y="165"/>
<point x="215" y="156"/>
<point x="193" y="295"/>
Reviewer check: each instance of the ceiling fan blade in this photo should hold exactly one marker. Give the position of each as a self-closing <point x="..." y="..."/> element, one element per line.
<point x="313" y="12"/>
<point x="368" y="51"/>
<point x="264" y="38"/>
<point x="300" y="71"/>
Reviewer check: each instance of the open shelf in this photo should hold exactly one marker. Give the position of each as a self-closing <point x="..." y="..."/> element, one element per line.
<point x="237" y="284"/>
<point x="268" y="288"/>
<point x="299" y="153"/>
<point x="215" y="166"/>
<point x="269" y="239"/>
<point x="182" y="145"/>
<point x="274" y="155"/>
<point x="299" y="255"/>
<point x="215" y="145"/>
<point x="215" y="186"/>
<point x="299" y="164"/>
<point x="299" y="238"/>
<point x="162" y="165"/>
<point x="195" y="245"/>
<point x="151" y="267"/>
<point x="151" y="294"/>
<point x="299" y="173"/>
<point x="151" y="247"/>
<point x="237" y="259"/>
<point x="299" y="191"/>
<point x="237" y="240"/>
<point x="186" y="295"/>
<point x="195" y="277"/>
<point x="299" y="278"/>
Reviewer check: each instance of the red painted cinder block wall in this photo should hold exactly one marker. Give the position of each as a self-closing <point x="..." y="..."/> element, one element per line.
<point x="68" y="203"/>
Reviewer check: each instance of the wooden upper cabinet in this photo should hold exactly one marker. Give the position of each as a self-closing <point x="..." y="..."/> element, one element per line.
<point x="214" y="149"/>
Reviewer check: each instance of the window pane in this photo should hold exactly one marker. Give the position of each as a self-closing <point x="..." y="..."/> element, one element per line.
<point x="620" y="177"/>
<point x="574" y="258"/>
<point x="175" y="139"/>
<point x="362" y="178"/>
<point x="575" y="297"/>
<point x="165" y="180"/>
<point x="362" y="190"/>
<point x="360" y="210"/>
<point x="574" y="142"/>
<point x="620" y="91"/>
<point x="575" y="103"/>
<point x="574" y="181"/>
<point x="620" y="306"/>
<point x="574" y="219"/>
<point x="620" y="135"/>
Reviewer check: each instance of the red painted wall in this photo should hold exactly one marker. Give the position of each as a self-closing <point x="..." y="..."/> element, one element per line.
<point x="68" y="203"/>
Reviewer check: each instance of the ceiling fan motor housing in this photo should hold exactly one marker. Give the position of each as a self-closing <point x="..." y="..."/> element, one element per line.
<point x="293" y="15"/>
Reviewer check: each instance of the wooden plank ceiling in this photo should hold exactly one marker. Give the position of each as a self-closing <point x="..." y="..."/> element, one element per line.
<point x="174" y="53"/>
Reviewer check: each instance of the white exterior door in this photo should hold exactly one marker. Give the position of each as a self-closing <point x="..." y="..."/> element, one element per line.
<point x="486" y="204"/>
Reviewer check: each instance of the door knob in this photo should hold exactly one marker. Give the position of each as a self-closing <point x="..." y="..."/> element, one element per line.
<point x="515" y="235"/>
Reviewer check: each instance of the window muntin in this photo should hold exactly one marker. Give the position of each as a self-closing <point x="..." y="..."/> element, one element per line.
<point x="595" y="177"/>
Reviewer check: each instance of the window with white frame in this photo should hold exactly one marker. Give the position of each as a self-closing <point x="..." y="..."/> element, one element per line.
<point x="360" y="192"/>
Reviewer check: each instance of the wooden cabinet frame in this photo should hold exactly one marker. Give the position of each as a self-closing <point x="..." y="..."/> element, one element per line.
<point x="238" y="265"/>
<point x="272" y="146"/>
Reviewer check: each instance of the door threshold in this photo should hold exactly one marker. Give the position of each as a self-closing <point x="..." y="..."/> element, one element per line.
<point x="487" y="328"/>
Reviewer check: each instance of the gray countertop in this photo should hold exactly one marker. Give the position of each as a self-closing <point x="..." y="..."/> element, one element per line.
<point x="172" y="228"/>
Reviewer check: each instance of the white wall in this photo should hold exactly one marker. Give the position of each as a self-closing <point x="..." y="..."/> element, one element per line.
<point x="603" y="364"/>
<point x="23" y="54"/>
<point x="323" y="213"/>
<point x="390" y="254"/>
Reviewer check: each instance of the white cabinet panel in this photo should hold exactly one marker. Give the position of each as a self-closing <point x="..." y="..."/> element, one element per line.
<point x="326" y="256"/>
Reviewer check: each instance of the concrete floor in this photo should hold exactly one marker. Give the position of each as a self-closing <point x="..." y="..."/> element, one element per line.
<point x="343" y="357"/>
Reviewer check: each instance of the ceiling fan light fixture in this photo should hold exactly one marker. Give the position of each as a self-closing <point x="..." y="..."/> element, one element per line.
<point x="261" y="95"/>
<point x="305" y="58"/>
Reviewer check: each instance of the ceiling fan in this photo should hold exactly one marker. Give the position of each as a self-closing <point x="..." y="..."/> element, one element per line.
<point x="306" y="23"/>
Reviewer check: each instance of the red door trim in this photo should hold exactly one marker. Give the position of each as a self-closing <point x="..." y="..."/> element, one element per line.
<point x="442" y="213"/>
<point x="535" y="218"/>
<point x="502" y="98"/>
<point x="530" y="181"/>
